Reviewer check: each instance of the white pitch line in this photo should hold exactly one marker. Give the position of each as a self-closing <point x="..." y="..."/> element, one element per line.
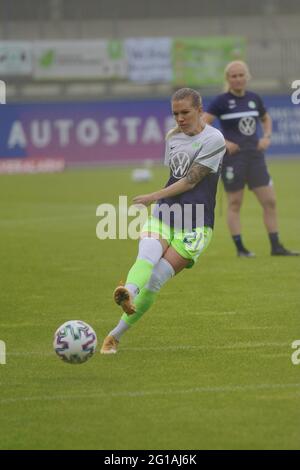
<point x="245" y="328"/>
<point x="204" y="347"/>
<point x="71" y="269"/>
<point x="171" y="348"/>
<point x="286" y="354"/>
<point x="213" y="312"/>
<point x="30" y="353"/>
<point x="50" y="219"/>
<point x="143" y="393"/>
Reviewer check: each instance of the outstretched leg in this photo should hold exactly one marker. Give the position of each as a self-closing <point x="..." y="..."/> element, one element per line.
<point x="150" y="251"/>
<point x="167" y="267"/>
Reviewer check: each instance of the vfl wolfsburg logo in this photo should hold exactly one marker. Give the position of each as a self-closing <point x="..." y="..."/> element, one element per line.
<point x="252" y="104"/>
<point x="179" y="164"/>
<point x="247" y="125"/>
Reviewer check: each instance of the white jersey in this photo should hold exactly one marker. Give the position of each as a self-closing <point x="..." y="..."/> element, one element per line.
<point x="206" y="148"/>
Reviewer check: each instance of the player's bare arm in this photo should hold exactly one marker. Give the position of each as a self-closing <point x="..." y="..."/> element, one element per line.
<point x="266" y="122"/>
<point x="231" y="147"/>
<point x="195" y="174"/>
<point x="208" y="118"/>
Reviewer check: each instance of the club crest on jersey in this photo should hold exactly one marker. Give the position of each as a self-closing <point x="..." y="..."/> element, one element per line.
<point x="252" y="104"/>
<point x="231" y="104"/>
<point x="179" y="164"/>
<point x="247" y="125"/>
<point x="197" y="145"/>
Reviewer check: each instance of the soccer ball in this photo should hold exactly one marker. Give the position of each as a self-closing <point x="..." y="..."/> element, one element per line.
<point x="75" y="342"/>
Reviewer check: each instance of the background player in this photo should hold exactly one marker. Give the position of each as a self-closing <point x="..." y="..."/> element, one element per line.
<point x="240" y="111"/>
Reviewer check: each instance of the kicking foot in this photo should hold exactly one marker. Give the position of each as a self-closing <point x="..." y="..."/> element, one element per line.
<point x="122" y="297"/>
<point x="110" y="345"/>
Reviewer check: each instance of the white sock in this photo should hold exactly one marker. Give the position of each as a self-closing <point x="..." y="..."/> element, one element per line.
<point x="161" y="273"/>
<point x="133" y="289"/>
<point x="120" y="329"/>
<point x="150" y="249"/>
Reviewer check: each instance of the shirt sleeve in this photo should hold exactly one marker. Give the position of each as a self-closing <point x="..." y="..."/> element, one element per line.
<point x="167" y="151"/>
<point x="261" y="107"/>
<point x="214" y="107"/>
<point x="212" y="152"/>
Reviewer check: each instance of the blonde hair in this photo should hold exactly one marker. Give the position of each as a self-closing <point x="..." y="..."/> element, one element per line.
<point x="182" y="94"/>
<point x="232" y="64"/>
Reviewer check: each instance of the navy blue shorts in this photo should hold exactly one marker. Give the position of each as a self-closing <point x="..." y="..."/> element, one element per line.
<point x="245" y="167"/>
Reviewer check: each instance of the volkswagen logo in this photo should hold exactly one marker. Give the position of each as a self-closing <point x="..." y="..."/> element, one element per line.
<point x="179" y="164"/>
<point x="247" y="125"/>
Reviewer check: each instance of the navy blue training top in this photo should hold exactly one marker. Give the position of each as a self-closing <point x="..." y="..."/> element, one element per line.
<point x="239" y="117"/>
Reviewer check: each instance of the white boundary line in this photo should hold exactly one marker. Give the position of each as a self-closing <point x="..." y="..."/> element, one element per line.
<point x="144" y="393"/>
<point x="49" y="219"/>
<point x="171" y="348"/>
<point x="214" y="312"/>
<point x="207" y="347"/>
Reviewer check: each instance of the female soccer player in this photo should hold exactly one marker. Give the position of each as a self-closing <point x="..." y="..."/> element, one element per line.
<point x="240" y="112"/>
<point x="173" y="239"/>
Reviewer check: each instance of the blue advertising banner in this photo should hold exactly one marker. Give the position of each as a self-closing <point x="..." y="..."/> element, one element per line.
<point x="286" y="125"/>
<point x="85" y="133"/>
<point x="115" y="132"/>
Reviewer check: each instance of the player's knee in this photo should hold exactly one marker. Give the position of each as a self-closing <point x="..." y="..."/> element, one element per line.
<point x="270" y="204"/>
<point x="150" y="249"/>
<point x="235" y="205"/>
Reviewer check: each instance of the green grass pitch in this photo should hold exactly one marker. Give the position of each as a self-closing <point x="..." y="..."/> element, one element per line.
<point x="208" y="367"/>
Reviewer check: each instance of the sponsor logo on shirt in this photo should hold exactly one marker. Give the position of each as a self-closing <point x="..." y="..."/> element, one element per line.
<point x="179" y="164"/>
<point x="247" y="125"/>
